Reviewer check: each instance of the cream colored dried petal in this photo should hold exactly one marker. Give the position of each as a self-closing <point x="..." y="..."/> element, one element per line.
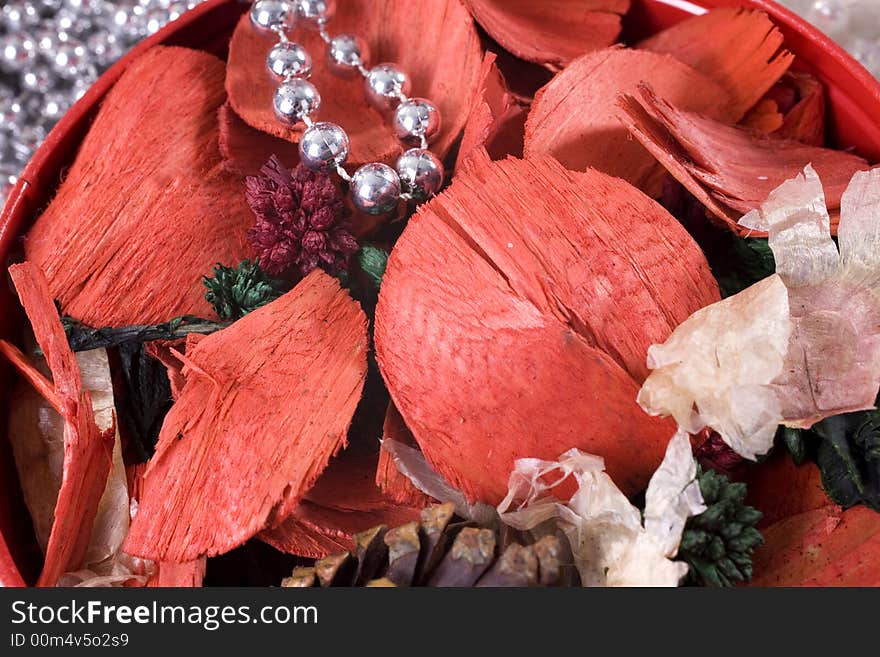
<point x="799" y="227"/>
<point x="609" y="544"/>
<point x="716" y="368"/>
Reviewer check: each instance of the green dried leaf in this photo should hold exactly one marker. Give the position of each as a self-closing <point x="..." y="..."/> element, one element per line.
<point x="373" y="261"/>
<point x="236" y="291"/>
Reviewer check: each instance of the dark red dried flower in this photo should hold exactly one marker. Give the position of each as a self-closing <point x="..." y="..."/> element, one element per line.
<point x="715" y="454"/>
<point x="302" y="222"/>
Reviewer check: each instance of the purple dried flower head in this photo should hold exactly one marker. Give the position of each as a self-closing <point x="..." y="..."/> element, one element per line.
<point x="302" y="222"/>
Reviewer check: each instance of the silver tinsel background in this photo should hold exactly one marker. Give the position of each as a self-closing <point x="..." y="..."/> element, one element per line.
<point x="51" y="51"/>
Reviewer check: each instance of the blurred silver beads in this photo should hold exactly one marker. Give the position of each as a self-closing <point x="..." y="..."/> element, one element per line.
<point x="295" y="100"/>
<point x="416" y="121"/>
<point x="316" y="11"/>
<point x="271" y="15"/>
<point x="421" y="173"/>
<point x="346" y="53"/>
<point x="385" y="86"/>
<point x="324" y="146"/>
<point x="51" y="51"/>
<point x="375" y="188"/>
<point x="289" y="60"/>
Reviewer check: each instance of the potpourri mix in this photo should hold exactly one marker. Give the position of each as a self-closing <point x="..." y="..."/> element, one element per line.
<point x="632" y="340"/>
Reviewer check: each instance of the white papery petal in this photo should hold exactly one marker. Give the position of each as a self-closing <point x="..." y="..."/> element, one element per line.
<point x="673" y="495"/>
<point x="859" y="231"/>
<point x="717" y="368"/>
<point x="797" y="220"/>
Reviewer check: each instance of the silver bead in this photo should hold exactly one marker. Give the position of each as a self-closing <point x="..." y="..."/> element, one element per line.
<point x="316" y="11"/>
<point x="296" y="99"/>
<point x="415" y="120"/>
<point x="375" y="188"/>
<point x="324" y="146"/>
<point x="289" y="60"/>
<point x="345" y="53"/>
<point x="385" y="85"/>
<point x="421" y="173"/>
<point x="269" y="15"/>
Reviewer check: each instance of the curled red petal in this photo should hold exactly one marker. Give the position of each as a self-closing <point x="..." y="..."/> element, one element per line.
<point x="496" y="121"/>
<point x="822" y="547"/>
<point x="738" y="48"/>
<point x="389" y="479"/>
<point x="87" y="450"/>
<point x="574" y="118"/>
<point x="730" y="169"/>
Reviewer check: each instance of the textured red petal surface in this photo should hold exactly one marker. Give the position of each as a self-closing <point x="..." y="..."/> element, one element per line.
<point x="447" y="72"/>
<point x="245" y="149"/>
<point x="389" y="479"/>
<point x="515" y="315"/>
<point x="806" y="120"/>
<point x="87" y="452"/>
<point x="266" y="404"/>
<point x="344" y="501"/>
<point x="730" y="169"/>
<point x="574" y="118"/>
<point x="146" y="209"/>
<point x="780" y="489"/>
<point x="823" y="547"/>
<point x="179" y="575"/>
<point x="496" y="121"/>
<point x="552" y="32"/>
<point x="739" y="49"/>
<point x="9" y="575"/>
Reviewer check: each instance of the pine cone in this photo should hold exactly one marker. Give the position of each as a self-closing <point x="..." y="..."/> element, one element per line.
<point x="440" y="552"/>
<point x="718" y="543"/>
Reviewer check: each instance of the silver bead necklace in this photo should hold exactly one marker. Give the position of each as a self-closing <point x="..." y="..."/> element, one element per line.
<point x="376" y="188"/>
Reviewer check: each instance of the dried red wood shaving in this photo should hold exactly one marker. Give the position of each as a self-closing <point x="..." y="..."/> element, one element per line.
<point x="805" y="121"/>
<point x="344" y="501"/>
<point x="447" y="72"/>
<point x="246" y="150"/>
<point x="822" y="547"/>
<point x="146" y="209"/>
<point x="267" y="402"/>
<point x="553" y="32"/>
<point x="496" y="121"/>
<point x="515" y="315"/>
<point x="729" y="169"/>
<point x="779" y="489"/>
<point x="87" y="451"/>
<point x="9" y="574"/>
<point x="389" y="479"/>
<point x="574" y="118"/>
<point x="738" y="48"/>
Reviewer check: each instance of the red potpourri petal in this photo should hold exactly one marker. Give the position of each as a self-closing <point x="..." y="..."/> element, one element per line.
<point x="574" y="118"/>
<point x="87" y="450"/>
<point x="738" y="48"/>
<point x="496" y="121"/>
<point x="515" y="314"/>
<point x="551" y="32"/>
<point x="729" y="169"/>
<point x="267" y="402"/>
<point x="146" y="209"/>
<point x="822" y="547"/>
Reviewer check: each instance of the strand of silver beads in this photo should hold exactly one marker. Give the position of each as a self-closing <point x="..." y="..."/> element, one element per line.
<point x="376" y="188"/>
